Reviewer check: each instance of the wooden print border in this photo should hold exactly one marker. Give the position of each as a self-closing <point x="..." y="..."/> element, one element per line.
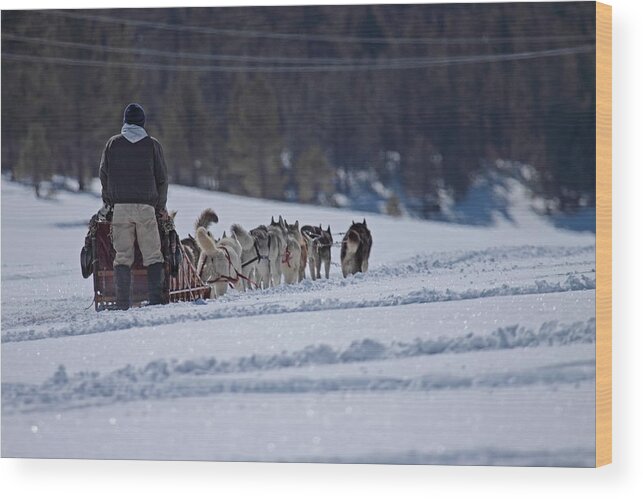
<point x="603" y="234"/>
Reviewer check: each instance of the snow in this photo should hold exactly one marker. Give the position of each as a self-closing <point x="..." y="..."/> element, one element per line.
<point x="462" y="345"/>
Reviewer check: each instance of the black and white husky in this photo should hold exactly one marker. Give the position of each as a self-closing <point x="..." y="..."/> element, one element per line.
<point x="319" y="243"/>
<point x="356" y="249"/>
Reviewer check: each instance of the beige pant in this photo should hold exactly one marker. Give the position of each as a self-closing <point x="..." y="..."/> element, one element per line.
<point x="135" y="222"/>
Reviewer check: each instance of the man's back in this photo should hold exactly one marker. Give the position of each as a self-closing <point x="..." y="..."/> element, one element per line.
<point x="131" y="176"/>
<point x="134" y="172"/>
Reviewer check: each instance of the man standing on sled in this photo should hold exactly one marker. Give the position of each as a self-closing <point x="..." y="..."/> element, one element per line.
<point x="133" y="175"/>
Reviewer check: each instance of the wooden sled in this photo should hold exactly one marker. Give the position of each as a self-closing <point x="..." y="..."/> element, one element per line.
<point x="185" y="286"/>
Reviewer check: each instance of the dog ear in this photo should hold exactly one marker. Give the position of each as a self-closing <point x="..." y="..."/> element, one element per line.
<point x="281" y="220"/>
<point x="272" y="220"/>
<point x="329" y="229"/>
<point x="364" y="222"/>
<point x="297" y="224"/>
<point x="353" y="222"/>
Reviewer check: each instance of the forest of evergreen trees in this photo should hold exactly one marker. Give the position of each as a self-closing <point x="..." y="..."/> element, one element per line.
<point x="274" y="101"/>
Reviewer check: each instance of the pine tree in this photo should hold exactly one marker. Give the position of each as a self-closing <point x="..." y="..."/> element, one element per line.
<point x="313" y="175"/>
<point x="34" y="163"/>
<point x="253" y="161"/>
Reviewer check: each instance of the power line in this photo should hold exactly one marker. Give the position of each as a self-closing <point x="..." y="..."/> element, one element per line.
<point x="210" y="57"/>
<point x="187" y="55"/>
<point x="310" y="37"/>
<point x="418" y="63"/>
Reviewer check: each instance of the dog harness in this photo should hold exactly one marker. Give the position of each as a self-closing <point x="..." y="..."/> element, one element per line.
<point x="226" y="278"/>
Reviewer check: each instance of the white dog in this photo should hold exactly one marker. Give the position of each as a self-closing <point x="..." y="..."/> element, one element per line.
<point x="291" y="258"/>
<point x="219" y="262"/>
<point x="249" y="253"/>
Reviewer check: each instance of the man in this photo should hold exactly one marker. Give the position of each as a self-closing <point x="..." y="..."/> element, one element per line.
<point x="133" y="175"/>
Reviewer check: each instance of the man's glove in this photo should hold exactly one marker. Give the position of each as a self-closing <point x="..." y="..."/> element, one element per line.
<point x="162" y="214"/>
<point x="105" y="212"/>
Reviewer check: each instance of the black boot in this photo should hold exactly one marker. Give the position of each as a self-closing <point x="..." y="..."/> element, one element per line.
<point x="122" y="282"/>
<point x="155" y="283"/>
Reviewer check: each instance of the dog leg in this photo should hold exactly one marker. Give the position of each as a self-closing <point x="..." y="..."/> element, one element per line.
<point x="311" y="268"/>
<point x="318" y="269"/>
<point x="275" y="273"/>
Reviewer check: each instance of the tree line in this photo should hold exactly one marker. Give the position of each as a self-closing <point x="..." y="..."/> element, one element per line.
<point x="272" y="101"/>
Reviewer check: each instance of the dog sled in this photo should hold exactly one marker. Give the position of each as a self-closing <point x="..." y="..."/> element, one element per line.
<point x="182" y="282"/>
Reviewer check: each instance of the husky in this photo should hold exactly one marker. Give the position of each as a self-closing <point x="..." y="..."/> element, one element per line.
<point x="319" y="243"/>
<point x="356" y="249"/>
<point x="219" y="261"/>
<point x="289" y="254"/>
<point x="250" y="255"/>
<point x="192" y="250"/>
<point x="277" y="236"/>
<point x="291" y="259"/>
<point x="262" y="245"/>
<point x="293" y="230"/>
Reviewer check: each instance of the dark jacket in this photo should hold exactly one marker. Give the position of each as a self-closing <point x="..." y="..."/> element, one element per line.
<point x="134" y="172"/>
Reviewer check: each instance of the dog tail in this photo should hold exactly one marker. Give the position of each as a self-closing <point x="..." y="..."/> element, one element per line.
<point x="205" y="242"/>
<point x="311" y="241"/>
<point x="351" y="242"/>
<point x="206" y="217"/>
<point x="245" y="240"/>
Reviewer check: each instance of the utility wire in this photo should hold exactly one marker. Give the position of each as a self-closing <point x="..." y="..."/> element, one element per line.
<point x="414" y="64"/>
<point x="212" y="57"/>
<point x="187" y="55"/>
<point x="309" y="37"/>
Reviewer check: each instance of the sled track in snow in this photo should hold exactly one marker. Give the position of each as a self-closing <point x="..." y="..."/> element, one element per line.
<point x="164" y="378"/>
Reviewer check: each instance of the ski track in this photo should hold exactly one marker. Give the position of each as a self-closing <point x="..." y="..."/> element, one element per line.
<point x="165" y="378"/>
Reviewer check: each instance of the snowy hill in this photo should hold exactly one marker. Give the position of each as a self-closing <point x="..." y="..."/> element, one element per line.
<point x="471" y="345"/>
<point x="498" y="192"/>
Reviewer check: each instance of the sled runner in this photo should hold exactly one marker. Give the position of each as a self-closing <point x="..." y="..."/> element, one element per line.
<point x="182" y="283"/>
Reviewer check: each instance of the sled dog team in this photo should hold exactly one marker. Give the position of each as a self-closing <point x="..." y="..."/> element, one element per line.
<point x="261" y="257"/>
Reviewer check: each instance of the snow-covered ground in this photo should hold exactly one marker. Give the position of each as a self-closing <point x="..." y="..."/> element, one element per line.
<point x="467" y="345"/>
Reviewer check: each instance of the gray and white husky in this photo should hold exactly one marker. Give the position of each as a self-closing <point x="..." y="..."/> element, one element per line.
<point x="277" y="236"/>
<point x="255" y="248"/>
<point x="262" y="267"/>
<point x="319" y="243"/>
<point x="295" y="233"/>
<point x="219" y="261"/>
